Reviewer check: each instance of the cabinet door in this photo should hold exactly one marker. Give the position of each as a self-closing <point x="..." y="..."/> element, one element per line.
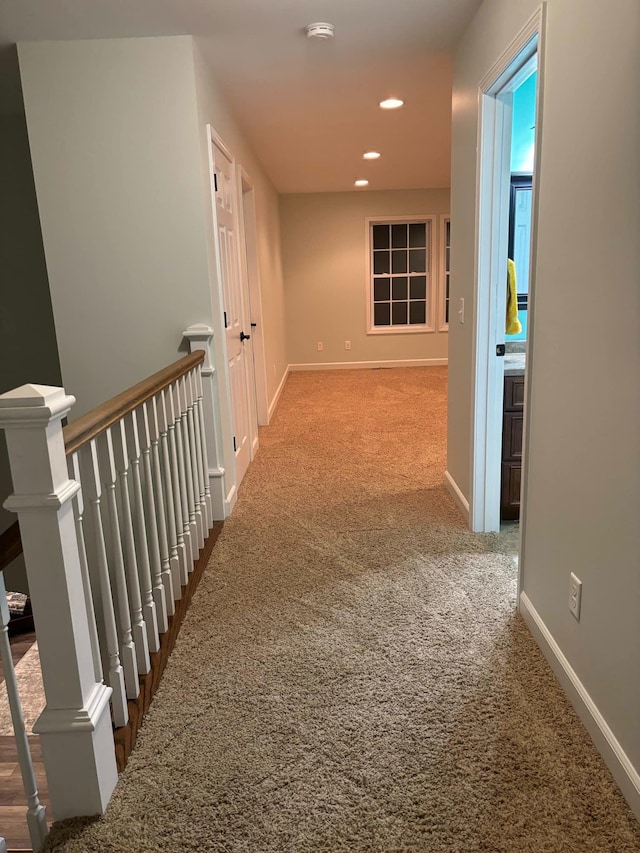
<point x="510" y="492"/>
<point x="512" y="435"/>
<point x="513" y="393"/>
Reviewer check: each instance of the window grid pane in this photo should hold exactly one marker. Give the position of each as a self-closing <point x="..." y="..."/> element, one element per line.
<point x="400" y="270"/>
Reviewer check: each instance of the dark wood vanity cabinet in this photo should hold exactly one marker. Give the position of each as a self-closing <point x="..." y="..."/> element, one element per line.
<point x="512" y="447"/>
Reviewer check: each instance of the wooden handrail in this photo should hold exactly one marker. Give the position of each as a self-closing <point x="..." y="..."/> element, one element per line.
<point x="10" y="545"/>
<point x="96" y="421"/>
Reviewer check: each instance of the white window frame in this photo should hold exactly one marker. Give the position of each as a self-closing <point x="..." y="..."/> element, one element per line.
<point x="443" y="325"/>
<point x="423" y="328"/>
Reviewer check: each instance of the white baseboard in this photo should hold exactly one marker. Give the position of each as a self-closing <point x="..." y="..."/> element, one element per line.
<point x="276" y="396"/>
<point x="230" y="501"/>
<point x="363" y="365"/>
<point x="604" y="739"/>
<point x="456" y="494"/>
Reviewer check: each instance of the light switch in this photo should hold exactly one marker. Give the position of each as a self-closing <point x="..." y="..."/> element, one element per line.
<point x="461" y="310"/>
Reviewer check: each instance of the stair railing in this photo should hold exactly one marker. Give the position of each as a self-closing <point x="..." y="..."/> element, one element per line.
<point x="113" y="510"/>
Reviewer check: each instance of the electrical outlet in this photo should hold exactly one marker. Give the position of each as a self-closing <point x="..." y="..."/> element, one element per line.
<point x="575" y="595"/>
<point x="320" y="346"/>
<point x="347" y="344"/>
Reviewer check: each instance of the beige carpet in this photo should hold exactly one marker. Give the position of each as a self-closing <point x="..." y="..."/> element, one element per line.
<point x="353" y="675"/>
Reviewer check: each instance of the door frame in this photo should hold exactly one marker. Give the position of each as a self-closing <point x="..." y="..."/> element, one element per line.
<point x="250" y="269"/>
<point x="222" y="382"/>
<point x="495" y="95"/>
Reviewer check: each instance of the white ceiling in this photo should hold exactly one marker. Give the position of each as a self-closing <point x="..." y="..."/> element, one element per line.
<point x="308" y="108"/>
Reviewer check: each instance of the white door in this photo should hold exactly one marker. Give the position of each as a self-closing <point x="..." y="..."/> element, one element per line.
<point x="234" y="309"/>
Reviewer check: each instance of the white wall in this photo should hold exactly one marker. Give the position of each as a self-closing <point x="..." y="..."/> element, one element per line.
<point x="325" y="253"/>
<point x="112" y="129"/>
<point x="581" y="504"/>
<point x="28" y="351"/>
<point x="212" y="109"/>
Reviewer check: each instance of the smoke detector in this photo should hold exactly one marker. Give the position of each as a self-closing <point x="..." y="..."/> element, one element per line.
<point x="320" y="31"/>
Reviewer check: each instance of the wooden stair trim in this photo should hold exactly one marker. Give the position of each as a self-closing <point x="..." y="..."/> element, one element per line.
<point x="125" y="736"/>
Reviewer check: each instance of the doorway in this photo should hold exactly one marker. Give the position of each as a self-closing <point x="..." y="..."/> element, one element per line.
<point x="238" y="367"/>
<point x="521" y="60"/>
<point x="251" y="274"/>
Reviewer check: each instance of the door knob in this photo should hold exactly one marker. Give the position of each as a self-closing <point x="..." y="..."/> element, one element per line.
<point x="244" y="337"/>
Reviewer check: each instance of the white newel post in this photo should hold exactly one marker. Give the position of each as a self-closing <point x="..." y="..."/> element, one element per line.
<point x="75" y="727"/>
<point x="200" y="337"/>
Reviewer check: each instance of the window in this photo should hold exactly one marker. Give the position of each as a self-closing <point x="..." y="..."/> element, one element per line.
<point x="445" y="272"/>
<point x="399" y="278"/>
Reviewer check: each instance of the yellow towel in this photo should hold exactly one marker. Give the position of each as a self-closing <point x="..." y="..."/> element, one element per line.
<point x="513" y="325"/>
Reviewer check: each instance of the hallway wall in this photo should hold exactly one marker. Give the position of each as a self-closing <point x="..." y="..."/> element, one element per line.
<point x="116" y="164"/>
<point x="213" y="109"/>
<point x="28" y="350"/>
<point x="583" y="486"/>
<point x="325" y="253"/>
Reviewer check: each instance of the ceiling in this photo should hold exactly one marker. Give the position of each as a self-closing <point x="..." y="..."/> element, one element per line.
<point x="309" y="108"/>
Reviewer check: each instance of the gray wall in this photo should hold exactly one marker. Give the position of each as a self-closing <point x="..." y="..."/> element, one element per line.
<point x="584" y="467"/>
<point x="28" y="351"/>
<point x="112" y="127"/>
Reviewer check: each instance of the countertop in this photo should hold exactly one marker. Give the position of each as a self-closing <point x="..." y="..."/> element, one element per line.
<point x="514" y="363"/>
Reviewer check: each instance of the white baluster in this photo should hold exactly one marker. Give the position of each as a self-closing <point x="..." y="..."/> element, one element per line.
<point x="138" y="627"/>
<point x="158" y="490"/>
<point x="107" y="465"/>
<point x="200" y="338"/>
<point x="190" y="544"/>
<point x="152" y="524"/>
<point x="191" y="503"/>
<point x="73" y="463"/>
<point x="169" y="501"/>
<point x="144" y="568"/>
<point x="75" y="727"/>
<point x="175" y="479"/>
<point x="92" y="489"/>
<point x="195" y="466"/>
<point x="36" y="817"/>
<point x="202" y="441"/>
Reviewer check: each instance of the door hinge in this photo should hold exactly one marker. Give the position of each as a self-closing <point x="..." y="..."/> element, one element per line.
<point x="234" y="444"/>
<point x="225" y="319"/>
<point x="215" y="182"/>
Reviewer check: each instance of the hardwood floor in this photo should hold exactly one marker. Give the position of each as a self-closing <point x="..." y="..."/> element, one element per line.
<point x="13" y="802"/>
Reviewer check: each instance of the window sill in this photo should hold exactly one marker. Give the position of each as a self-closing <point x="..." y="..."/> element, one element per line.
<point x="401" y="330"/>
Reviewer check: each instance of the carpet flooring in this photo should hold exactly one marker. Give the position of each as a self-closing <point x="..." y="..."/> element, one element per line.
<point x="353" y="674"/>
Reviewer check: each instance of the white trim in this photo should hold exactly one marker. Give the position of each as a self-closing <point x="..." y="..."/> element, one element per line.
<point x="76" y="719"/>
<point x="492" y="193"/>
<point x="279" y="390"/>
<point x="603" y="737"/>
<point x="230" y="501"/>
<point x="251" y="269"/>
<point x="443" y="325"/>
<point x="456" y="494"/>
<point x="424" y="328"/>
<point x="360" y="365"/>
<point x="222" y="398"/>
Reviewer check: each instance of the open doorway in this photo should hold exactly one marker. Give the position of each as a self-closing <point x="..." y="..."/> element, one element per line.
<point x="506" y="208"/>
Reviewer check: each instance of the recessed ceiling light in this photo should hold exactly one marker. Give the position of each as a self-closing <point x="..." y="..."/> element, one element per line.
<point x="391" y="104"/>
<point x="320" y="31"/>
<point x="371" y="155"/>
<point x="361" y="182"/>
